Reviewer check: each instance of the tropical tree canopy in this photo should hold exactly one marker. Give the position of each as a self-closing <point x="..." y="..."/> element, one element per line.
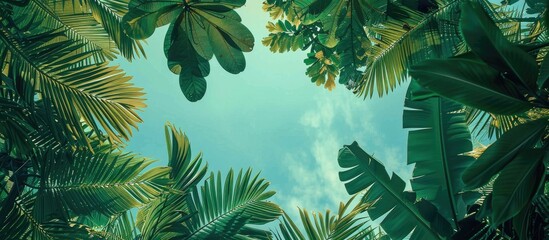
<point x="476" y="72"/>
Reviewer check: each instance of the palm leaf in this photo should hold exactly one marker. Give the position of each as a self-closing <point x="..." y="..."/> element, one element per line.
<point x="107" y="183"/>
<point x="407" y="37"/>
<point x="161" y="219"/>
<point x="361" y="172"/>
<point x="229" y="210"/>
<point x="97" y="93"/>
<point x="344" y="225"/>
<point x="79" y="27"/>
<point x="19" y="223"/>
<point x="485" y="124"/>
<point x="101" y="15"/>
<point x="436" y="142"/>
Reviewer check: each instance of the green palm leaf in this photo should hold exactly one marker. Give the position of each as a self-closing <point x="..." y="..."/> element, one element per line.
<point x="81" y="26"/>
<point x="100" y="16"/>
<point x="229" y="210"/>
<point x="162" y="218"/>
<point x="361" y="172"/>
<point x="485" y="124"/>
<point x="72" y="88"/>
<point x="19" y="223"/>
<point x="437" y="139"/>
<point x="107" y="183"/>
<point x="344" y="225"/>
<point x="407" y="37"/>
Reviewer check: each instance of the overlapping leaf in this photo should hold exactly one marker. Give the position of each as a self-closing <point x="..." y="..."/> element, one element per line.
<point x="363" y="172"/>
<point x="198" y="31"/>
<point x="344" y="225"/>
<point x="107" y="183"/>
<point x="230" y="209"/>
<point x="438" y="138"/>
<point x="500" y="153"/>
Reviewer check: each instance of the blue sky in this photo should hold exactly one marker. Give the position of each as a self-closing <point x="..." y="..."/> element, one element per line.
<point x="271" y="118"/>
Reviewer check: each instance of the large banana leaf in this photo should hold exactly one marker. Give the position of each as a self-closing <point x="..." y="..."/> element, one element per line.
<point x="436" y="142"/>
<point x="500" y="153"/>
<point x="363" y="172"/>
<point x="344" y="225"/>
<point x="107" y="183"/>
<point x="229" y="210"/>
<point x="162" y="218"/>
<point x="517" y="184"/>
<point x="487" y="41"/>
<point x="200" y="30"/>
<point x="469" y="81"/>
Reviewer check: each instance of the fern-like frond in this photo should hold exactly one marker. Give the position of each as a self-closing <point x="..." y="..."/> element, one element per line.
<point x="108" y="183"/>
<point x="229" y="210"/>
<point x="99" y="94"/>
<point x="408" y="36"/>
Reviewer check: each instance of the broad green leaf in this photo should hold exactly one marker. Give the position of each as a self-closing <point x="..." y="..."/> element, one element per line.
<point x="436" y="142"/>
<point x="198" y="30"/>
<point x="500" y="153"/>
<point x="193" y="87"/>
<point x="363" y="172"/>
<point x="141" y="21"/>
<point x="516" y="184"/>
<point x="331" y="19"/>
<point x="485" y="39"/>
<point x="468" y="81"/>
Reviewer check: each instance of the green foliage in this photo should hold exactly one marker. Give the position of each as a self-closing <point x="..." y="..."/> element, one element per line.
<point x="198" y="31"/>
<point x="344" y="225"/>
<point x="436" y="141"/>
<point x="362" y="171"/>
<point x="375" y="41"/>
<point x="501" y="78"/>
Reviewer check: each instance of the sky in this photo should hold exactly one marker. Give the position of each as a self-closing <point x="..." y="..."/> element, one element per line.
<point x="271" y="118"/>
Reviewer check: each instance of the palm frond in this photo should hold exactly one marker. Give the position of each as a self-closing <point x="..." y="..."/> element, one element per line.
<point x="161" y="219"/>
<point x="485" y="124"/>
<point x="344" y="225"/>
<point x="97" y="93"/>
<point x="229" y="210"/>
<point x="407" y="36"/>
<point x="78" y="27"/>
<point x="105" y="16"/>
<point x="19" y="223"/>
<point x="107" y="183"/>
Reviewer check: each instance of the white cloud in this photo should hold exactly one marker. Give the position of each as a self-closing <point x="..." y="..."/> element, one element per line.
<point x="335" y="121"/>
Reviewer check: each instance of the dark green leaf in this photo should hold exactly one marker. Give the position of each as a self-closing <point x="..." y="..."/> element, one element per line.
<point x="485" y="39"/>
<point x="516" y="184"/>
<point x="468" y="81"/>
<point x="500" y="153"/>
